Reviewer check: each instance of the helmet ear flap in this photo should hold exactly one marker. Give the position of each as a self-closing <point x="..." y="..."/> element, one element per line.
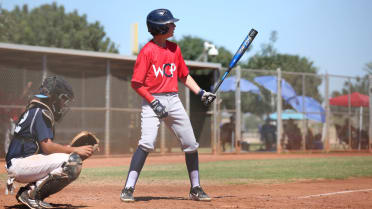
<point x="164" y="29"/>
<point x="157" y="29"/>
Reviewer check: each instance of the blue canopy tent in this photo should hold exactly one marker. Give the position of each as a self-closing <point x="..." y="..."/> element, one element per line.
<point x="288" y="114"/>
<point x="270" y="83"/>
<point x="309" y="107"/>
<point x="229" y="84"/>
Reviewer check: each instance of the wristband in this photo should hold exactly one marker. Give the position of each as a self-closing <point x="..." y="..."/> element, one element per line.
<point x="201" y="92"/>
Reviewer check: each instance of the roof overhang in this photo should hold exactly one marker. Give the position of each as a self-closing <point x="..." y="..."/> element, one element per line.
<point x="17" y="53"/>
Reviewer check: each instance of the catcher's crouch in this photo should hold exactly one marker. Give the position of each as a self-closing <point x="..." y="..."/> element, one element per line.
<point x="33" y="157"/>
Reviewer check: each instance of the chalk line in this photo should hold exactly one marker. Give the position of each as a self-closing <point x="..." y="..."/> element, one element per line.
<point x="334" y="193"/>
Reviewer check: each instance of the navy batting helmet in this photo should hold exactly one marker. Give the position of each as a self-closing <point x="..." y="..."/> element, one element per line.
<point x="157" y="21"/>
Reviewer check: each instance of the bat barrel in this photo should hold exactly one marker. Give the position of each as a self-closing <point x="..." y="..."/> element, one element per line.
<point x="243" y="47"/>
<point x="252" y="33"/>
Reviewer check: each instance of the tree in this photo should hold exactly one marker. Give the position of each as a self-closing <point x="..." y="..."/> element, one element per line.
<point x="368" y="68"/>
<point x="192" y="48"/>
<point x="290" y="63"/>
<point x="49" y="25"/>
<point x="269" y="59"/>
<point x="359" y="84"/>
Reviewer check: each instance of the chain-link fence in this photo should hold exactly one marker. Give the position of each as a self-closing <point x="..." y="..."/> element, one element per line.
<point x="252" y="119"/>
<point x="104" y="104"/>
<point x="306" y="116"/>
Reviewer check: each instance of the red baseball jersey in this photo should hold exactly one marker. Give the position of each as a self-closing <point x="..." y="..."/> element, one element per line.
<point x="158" y="69"/>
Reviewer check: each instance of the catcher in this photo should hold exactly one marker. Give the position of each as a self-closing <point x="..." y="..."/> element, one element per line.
<point x="33" y="157"/>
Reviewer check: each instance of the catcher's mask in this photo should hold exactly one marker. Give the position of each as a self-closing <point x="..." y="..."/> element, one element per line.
<point x="58" y="94"/>
<point x="157" y="21"/>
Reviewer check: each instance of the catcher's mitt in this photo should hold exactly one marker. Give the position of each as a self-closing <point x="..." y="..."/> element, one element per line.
<point x="85" y="138"/>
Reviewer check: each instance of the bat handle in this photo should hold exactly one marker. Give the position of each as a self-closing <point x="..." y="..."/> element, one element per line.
<point x="217" y="86"/>
<point x="220" y="82"/>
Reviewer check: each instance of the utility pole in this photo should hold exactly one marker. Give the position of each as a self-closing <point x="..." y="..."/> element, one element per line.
<point x="134" y="38"/>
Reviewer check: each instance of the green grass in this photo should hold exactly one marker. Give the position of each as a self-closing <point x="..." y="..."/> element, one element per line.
<point x="268" y="170"/>
<point x="242" y="171"/>
<point x="290" y="169"/>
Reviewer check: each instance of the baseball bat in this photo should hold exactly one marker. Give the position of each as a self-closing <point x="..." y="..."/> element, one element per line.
<point x="243" y="47"/>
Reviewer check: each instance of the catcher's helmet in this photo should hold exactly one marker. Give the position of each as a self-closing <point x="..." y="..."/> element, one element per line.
<point x="58" y="94"/>
<point x="157" y="21"/>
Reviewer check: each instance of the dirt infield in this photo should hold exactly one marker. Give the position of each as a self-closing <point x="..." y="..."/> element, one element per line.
<point x="349" y="193"/>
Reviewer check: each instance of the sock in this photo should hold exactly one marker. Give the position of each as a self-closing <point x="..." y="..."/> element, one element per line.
<point x="192" y="163"/>
<point x="131" y="179"/>
<point x="136" y="165"/>
<point x="194" y="178"/>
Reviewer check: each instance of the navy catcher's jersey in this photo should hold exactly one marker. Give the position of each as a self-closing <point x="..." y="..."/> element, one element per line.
<point x="31" y="128"/>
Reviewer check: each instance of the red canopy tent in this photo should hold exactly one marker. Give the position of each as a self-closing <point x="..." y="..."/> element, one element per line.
<point x="355" y="99"/>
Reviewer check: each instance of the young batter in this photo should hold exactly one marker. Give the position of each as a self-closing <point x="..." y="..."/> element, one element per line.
<point x="33" y="157"/>
<point x="158" y="67"/>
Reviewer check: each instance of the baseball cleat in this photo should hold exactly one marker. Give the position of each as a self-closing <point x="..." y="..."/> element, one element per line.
<point x="197" y="193"/>
<point x="21" y="190"/>
<point x="127" y="195"/>
<point x="23" y="197"/>
<point x="44" y="204"/>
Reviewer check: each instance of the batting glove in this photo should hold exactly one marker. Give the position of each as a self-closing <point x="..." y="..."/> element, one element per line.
<point x="159" y="109"/>
<point x="206" y="97"/>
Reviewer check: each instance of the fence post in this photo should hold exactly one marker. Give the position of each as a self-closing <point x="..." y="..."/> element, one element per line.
<point x="238" y="111"/>
<point x="349" y="114"/>
<point x="326" y="132"/>
<point x="215" y="133"/>
<point x="162" y="139"/>
<point x="187" y="100"/>
<point x="370" y="111"/>
<point x="304" y="112"/>
<point x="107" y="107"/>
<point x="279" y="127"/>
<point x="45" y="67"/>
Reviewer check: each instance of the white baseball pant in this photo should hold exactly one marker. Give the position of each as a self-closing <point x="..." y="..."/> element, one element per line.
<point x="177" y="120"/>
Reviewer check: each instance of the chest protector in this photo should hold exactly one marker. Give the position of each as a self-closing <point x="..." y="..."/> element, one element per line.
<point x="48" y="117"/>
<point x="47" y="112"/>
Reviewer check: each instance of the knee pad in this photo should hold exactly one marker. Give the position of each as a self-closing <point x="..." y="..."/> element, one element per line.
<point x="56" y="182"/>
<point x="73" y="166"/>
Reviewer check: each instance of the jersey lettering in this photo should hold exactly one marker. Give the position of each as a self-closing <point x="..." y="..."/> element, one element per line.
<point x="172" y="67"/>
<point x="157" y="71"/>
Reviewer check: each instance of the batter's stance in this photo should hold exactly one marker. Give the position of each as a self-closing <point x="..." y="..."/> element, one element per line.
<point x="33" y="157"/>
<point x="158" y="67"/>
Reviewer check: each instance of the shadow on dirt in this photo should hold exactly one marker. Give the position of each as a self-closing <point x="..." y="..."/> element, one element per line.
<point x="55" y="206"/>
<point x="220" y="197"/>
<point x="149" y="198"/>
